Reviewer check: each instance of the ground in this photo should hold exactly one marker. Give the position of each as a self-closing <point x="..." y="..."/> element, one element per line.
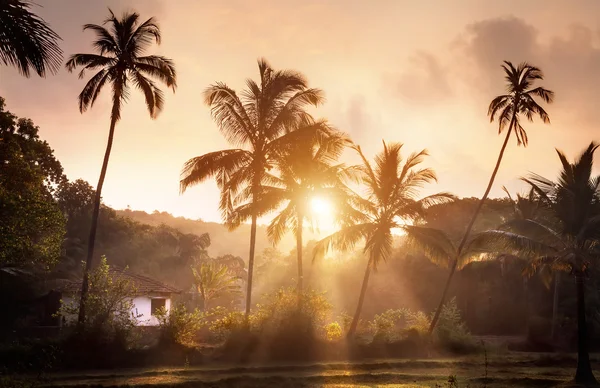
<point x="503" y="370"/>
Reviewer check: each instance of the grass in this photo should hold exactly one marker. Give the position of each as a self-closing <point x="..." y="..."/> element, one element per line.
<point x="503" y="370"/>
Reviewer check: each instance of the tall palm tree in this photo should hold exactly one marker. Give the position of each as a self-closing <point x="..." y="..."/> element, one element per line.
<point x="306" y="171"/>
<point x="520" y="100"/>
<point x="120" y="44"/>
<point x="568" y="243"/>
<point x="390" y="200"/>
<point x="260" y="121"/>
<point x="26" y="40"/>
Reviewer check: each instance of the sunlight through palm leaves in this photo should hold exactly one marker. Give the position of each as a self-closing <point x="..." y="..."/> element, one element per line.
<point x="391" y="199"/>
<point x="262" y="120"/>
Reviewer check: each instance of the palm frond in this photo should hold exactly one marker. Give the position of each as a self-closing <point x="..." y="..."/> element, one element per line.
<point x="198" y="169"/>
<point x="27" y="41"/>
<point x="343" y="240"/>
<point x="435" y="244"/>
<point x="508" y="242"/>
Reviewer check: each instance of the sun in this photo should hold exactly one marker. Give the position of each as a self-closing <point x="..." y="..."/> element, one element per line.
<point x="322" y="212"/>
<point x="320" y="207"/>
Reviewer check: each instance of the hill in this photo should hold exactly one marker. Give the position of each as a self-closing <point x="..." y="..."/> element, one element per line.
<point x="223" y="241"/>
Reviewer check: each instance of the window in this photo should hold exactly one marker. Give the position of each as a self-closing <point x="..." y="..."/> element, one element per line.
<point x="156" y="304"/>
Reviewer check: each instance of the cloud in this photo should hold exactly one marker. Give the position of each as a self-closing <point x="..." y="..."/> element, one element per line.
<point x="425" y="81"/>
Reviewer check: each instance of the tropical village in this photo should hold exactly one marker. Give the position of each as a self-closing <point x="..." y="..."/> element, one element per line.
<point x="299" y="247"/>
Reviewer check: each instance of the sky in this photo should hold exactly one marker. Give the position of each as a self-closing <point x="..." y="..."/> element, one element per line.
<point x="417" y="72"/>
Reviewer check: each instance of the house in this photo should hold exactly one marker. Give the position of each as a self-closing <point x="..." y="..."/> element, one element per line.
<point x="151" y="294"/>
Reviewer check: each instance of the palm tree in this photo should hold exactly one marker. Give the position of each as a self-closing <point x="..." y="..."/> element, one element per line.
<point x="120" y="43"/>
<point x="26" y="40"/>
<point x="568" y="243"/>
<point x="507" y="109"/>
<point x="214" y="281"/>
<point x="306" y="171"/>
<point x="390" y="200"/>
<point x="259" y="123"/>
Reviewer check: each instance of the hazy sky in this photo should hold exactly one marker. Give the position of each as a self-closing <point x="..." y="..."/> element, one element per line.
<point x="417" y="72"/>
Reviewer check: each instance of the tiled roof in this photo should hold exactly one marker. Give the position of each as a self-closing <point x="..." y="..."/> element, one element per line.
<point x="143" y="284"/>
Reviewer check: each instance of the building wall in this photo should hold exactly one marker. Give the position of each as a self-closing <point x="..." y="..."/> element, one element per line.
<point x="142" y="310"/>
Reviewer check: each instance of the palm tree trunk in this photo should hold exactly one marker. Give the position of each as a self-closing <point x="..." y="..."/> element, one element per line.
<point x="470" y="226"/>
<point x="584" y="374"/>
<point x="555" y="305"/>
<point x="250" y="265"/>
<point x="94" y="226"/>
<point x="526" y="298"/>
<point x="361" y="299"/>
<point x="299" y="251"/>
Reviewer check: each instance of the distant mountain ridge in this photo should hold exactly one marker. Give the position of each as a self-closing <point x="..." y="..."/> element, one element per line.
<point x="223" y="241"/>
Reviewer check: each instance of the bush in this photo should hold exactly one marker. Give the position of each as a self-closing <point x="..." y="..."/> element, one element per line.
<point x="333" y="331"/>
<point x="451" y="333"/>
<point x="178" y="326"/>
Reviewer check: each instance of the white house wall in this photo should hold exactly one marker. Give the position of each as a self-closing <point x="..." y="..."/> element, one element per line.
<point x="141" y="310"/>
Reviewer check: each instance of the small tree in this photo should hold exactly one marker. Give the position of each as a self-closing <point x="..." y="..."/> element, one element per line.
<point x="215" y="281"/>
<point x="110" y="301"/>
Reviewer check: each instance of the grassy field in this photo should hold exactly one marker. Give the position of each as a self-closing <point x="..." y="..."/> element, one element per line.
<point x="503" y="370"/>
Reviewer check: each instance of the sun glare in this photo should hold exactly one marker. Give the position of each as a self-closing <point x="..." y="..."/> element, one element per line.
<point x="322" y="211"/>
<point x="320" y="206"/>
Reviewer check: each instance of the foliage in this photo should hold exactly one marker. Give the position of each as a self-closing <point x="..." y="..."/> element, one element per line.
<point x="28" y="42"/>
<point x="451" y="331"/>
<point x="178" y="326"/>
<point x="520" y="99"/>
<point x="260" y="121"/>
<point x="32" y="227"/>
<point x="109" y="300"/>
<point x="391" y="199"/>
<point x="120" y="44"/>
<point x="333" y="331"/>
<point x="226" y="324"/>
<point x="215" y="281"/>
<point x="569" y="243"/>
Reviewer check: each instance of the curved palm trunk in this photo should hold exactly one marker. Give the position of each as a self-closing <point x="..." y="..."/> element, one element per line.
<point x="299" y="251"/>
<point x="470" y="227"/>
<point x="250" y="265"/>
<point x="361" y="299"/>
<point x="94" y="226"/>
<point x="555" y="305"/>
<point x="584" y="374"/>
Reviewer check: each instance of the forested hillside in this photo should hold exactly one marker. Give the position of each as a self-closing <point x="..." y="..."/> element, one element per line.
<point x="223" y="241"/>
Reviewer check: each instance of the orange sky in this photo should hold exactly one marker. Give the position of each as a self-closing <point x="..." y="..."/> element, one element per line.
<point x="421" y="73"/>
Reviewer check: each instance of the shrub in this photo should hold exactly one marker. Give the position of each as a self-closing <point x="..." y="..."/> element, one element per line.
<point x="224" y="323"/>
<point x="333" y="331"/>
<point x="178" y="326"/>
<point x="385" y="326"/>
<point x="451" y="332"/>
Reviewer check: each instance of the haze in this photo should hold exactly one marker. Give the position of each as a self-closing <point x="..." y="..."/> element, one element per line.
<point x="403" y="71"/>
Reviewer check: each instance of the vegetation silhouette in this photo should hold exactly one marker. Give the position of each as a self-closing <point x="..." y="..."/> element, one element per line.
<point x="507" y="109"/>
<point x="28" y="42"/>
<point x="569" y="243"/>
<point x="120" y="43"/>
<point x="267" y="116"/>
<point x="390" y="200"/>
